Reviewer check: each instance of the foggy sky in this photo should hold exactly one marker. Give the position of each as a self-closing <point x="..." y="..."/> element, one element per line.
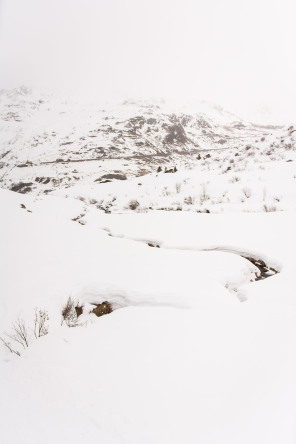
<point x="239" y="54"/>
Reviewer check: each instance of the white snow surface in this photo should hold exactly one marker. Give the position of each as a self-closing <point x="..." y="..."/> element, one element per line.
<point x="196" y="350"/>
<point x="180" y="359"/>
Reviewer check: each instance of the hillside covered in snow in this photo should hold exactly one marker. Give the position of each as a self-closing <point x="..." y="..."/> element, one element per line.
<point x="147" y="274"/>
<point x="50" y="142"/>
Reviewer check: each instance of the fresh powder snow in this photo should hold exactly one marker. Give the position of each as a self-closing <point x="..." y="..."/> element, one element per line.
<point x="200" y="344"/>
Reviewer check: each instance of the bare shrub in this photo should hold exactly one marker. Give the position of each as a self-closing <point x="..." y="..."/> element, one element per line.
<point x="40" y="327"/>
<point x="204" y="195"/>
<point x="189" y="200"/>
<point x="9" y="346"/>
<point x="69" y="314"/>
<point x="18" y="335"/>
<point x="235" y="179"/>
<point x="178" y="186"/>
<point x="133" y="204"/>
<point x="269" y="208"/>
<point x="166" y="192"/>
<point x="247" y="192"/>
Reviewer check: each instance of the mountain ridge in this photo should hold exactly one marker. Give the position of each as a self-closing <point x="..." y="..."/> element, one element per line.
<point x="133" y="138"/>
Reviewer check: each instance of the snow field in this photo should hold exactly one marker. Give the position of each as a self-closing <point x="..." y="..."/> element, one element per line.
<point x="180" y="359"/>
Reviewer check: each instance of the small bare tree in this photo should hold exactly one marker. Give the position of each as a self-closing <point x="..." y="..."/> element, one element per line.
<point x="20" y="333"/>
<point x="40" y="327"/>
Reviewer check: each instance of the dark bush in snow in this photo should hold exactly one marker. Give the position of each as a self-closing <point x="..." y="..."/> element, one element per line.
<point x="133" y="204"/>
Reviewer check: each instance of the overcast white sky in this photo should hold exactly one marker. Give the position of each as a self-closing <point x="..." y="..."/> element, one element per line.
<point x="237" y="53"/>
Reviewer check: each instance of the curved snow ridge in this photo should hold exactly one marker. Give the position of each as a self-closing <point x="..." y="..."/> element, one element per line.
<point x="182" y="295"/>
<point x="267" y="265"/>
<point x="254" y="257"/>
<point x="121" y="296"/>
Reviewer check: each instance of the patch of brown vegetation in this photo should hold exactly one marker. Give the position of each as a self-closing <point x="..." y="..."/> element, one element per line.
<point x="102" y="309"/>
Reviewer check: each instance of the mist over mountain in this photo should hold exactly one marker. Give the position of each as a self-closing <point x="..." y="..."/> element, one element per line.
<point x="44" y="135"/>
<point x="147" y="224"/>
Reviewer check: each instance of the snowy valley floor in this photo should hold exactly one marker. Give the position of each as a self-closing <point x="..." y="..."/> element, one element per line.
<point x="180" y="359"/>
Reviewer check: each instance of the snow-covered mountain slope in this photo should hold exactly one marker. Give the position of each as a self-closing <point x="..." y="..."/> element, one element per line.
<point x="258" y="177"/>
<point x="48" y="142"/>
<point x="180" y="359"/>
<point x="196" y="348"/>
